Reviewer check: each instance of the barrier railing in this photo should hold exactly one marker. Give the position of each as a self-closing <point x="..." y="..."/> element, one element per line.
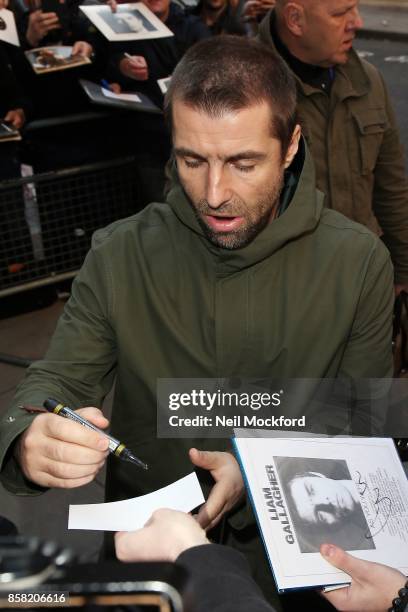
<point x="47" y="220"/>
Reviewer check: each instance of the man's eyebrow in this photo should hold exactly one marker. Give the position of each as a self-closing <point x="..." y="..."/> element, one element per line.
<point x="242" y="155"/>
<point x="183" y="152"/>
<point x="253" y="155"/>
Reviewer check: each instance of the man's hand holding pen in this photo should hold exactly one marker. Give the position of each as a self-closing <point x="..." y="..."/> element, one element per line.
<point x="69" y="452"/>
<point x="55" y="452"/>
<point x="134" y="67"/>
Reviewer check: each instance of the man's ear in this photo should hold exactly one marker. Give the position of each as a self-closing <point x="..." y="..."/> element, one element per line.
<point x="293" y="147"/>
<point x="294" y="17"/>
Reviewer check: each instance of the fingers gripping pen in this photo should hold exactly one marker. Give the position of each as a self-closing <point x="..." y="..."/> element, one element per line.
<point x="115" y="447"/>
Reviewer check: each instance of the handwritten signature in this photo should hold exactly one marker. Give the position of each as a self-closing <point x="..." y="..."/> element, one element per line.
<point x="382" y="505"/>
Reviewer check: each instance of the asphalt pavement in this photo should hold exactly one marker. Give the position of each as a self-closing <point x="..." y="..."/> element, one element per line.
<point x="386" y="20"/>
<point x="391" y="58"/>
<point x="383" y="41"/>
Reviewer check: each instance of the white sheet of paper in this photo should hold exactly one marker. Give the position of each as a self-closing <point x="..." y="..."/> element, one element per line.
<point x="130" y="514"/>
<point x="9" y="33"/>
<point x="164" y="84"/>
<point x="127" y="97"/>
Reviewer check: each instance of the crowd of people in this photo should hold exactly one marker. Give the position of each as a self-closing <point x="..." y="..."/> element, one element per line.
<point x="133" y="66"/>
<point x="278" y="253"/>
<point x="129" y="65"/>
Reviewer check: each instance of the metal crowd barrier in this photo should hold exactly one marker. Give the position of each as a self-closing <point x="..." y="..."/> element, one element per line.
<point x="47" y="220"/>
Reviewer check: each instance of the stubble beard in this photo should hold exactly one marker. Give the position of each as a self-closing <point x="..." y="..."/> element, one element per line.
<point x="253" y="225"/>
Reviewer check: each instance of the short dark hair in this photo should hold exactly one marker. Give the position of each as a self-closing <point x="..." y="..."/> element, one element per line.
<point x="229" y="73"/>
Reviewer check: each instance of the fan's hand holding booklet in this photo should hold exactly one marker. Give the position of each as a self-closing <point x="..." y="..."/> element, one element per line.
<point x="8" y="132"/>
<point x="352" y="492"/>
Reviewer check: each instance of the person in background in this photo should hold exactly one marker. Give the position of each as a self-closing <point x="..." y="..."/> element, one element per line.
<point x="347" y="118"/>
<point x="253" y="11"/>
<point x="57" y="93"/>
<point x="137" y="65"/>
<point x="220" y="16"/>
<point x="12" y="102"/>
<point x="15" y="246"/>
<point x="41" y="28"/>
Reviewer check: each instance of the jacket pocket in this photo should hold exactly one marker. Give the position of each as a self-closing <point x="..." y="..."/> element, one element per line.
<point x="371" y="125"/>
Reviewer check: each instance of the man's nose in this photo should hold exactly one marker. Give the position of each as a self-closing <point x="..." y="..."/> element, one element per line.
<point x="356" y="21"/>
<point x="217" y="191"/>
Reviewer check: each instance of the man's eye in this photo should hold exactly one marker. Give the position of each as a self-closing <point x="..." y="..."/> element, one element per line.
<point x="192" y="163"/>
<point x="322" y="517"/>
<point x="244" y="168"/>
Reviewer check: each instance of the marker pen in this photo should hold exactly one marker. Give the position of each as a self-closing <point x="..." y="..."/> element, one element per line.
<point x="115" y="447"/>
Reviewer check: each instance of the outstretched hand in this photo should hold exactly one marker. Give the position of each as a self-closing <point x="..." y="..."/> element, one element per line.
<point x="373" y="586"/>
<point x="165" y="536"/>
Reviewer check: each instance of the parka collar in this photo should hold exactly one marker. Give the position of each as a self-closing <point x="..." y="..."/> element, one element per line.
<point x="301" y="216"/>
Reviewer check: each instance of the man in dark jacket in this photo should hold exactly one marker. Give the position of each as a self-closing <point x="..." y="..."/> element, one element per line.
<point x="346" y="117"/>
<point x="242" y="273"/>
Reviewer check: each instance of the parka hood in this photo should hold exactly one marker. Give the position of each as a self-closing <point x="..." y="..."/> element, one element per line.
<point x="301" y="202"/>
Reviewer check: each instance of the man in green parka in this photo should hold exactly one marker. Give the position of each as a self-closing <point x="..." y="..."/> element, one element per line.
<point x="243" y="273"/>
<point x="346" y="116"/>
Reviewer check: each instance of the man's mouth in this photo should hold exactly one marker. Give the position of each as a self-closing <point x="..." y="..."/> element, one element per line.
<point x="223" y="224"/>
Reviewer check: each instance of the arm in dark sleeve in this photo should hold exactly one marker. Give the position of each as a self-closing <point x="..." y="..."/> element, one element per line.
<point x="193" y="31"/>
<point x="220" y="581"/>
<point x="367" y="359"/>
<point x="79" y="25"/>
<point x="368" y="352"/>
<point x="198" y="30"/>
<point x="390" y="196"/>
<point x="11" y="94"/>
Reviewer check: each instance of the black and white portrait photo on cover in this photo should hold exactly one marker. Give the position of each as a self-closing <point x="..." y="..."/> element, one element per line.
<point x="129" y="22"/>
<point x="323" y="503"/>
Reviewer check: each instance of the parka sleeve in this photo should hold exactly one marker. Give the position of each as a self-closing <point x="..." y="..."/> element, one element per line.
<point x="78" y="368"/>
<point x="390" y="195"/>
<point x="367" y="360"/>
<point x="368" y="353"/>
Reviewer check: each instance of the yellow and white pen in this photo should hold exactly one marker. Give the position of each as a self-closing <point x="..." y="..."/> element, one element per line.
<point x="118" y="449"/>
